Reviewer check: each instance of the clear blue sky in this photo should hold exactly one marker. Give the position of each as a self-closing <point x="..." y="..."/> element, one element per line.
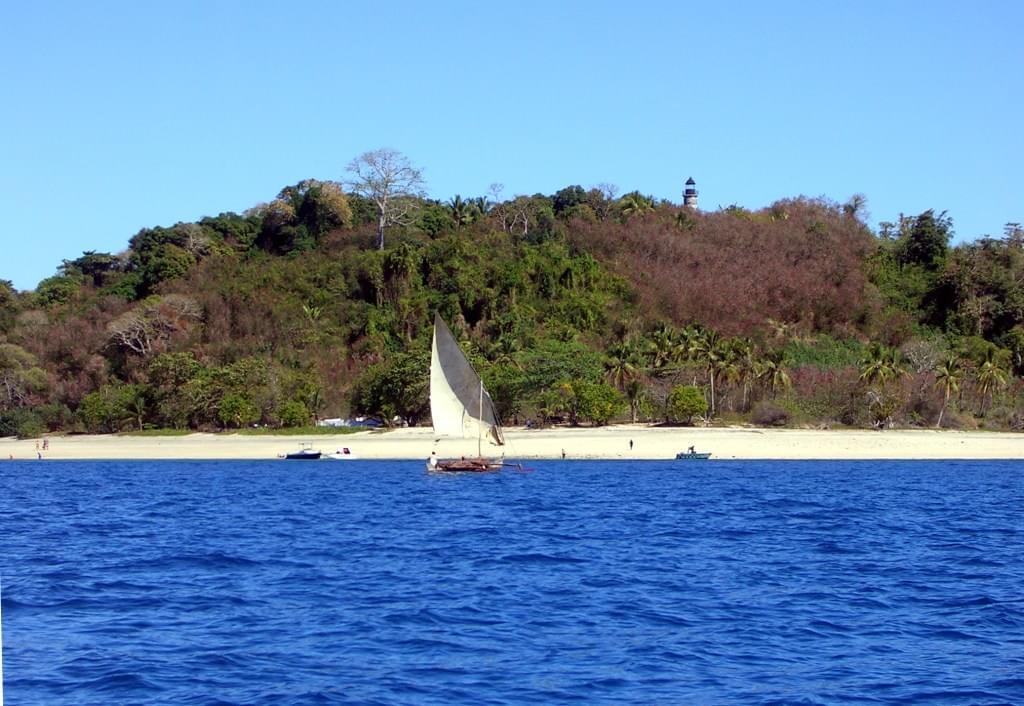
<point x="115" y="116"/>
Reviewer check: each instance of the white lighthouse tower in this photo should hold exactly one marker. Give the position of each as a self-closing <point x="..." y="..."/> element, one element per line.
<point x="690" y="194"/>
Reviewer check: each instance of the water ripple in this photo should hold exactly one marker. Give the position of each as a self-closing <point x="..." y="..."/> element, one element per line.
<point x="584" y="582"/>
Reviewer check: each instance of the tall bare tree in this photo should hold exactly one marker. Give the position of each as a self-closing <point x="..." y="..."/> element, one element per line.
<point x="387" y="178"/>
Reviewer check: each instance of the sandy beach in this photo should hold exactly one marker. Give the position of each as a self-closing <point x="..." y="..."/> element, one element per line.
<point x="580" y="443"/>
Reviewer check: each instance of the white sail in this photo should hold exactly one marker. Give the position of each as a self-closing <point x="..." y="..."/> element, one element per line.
<point x="459" y="404"/>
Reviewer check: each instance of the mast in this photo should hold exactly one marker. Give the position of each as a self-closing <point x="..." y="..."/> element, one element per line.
<point x="479" y="426"/>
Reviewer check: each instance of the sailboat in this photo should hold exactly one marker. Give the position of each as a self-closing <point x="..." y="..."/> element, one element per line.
<point x="459" y="404"/>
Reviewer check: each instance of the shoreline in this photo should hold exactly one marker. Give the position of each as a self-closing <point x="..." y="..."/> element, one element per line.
<point x="604" y="443"/>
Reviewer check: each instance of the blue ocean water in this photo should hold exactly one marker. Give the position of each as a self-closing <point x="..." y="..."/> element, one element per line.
<point x="575" y="582"/>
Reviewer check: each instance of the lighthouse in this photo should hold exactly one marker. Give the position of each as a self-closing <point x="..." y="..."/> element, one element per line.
<point x="690" y="194"/>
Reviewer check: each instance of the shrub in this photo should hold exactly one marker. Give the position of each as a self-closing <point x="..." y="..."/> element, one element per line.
<point x="769" y="414"/>
<point x="22" y="423"/>
<point x="30" y="427"/>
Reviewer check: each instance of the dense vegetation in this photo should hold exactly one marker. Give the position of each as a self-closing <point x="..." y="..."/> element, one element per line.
<point x="578" y="307"/>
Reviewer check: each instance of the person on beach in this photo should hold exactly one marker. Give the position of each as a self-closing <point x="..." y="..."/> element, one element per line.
<point x="630" y="444"/>
<point x="563" y="454"/>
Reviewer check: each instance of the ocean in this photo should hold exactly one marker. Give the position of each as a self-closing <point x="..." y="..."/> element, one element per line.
<point x="572" y="582"/>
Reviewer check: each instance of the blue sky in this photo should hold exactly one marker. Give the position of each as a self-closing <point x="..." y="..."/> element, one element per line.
<point x="116" y="116"/>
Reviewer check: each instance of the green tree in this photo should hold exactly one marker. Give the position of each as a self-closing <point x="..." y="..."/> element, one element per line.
<point x="567" y="200"/>
<point x="550" y="362"/>
<point x="505" y="381"/>
<point x="435" y="220"/>
<point x="169" y="375"/>
<point x="92" y="265"/>
<point x="8" y="306"/>
<point x="396" y="387"/>
<point x="301" y="214"/>
<point x="293" y="413"/>
<point x="926" y="240"/>
<point x="57" y="289"/>
<point x="684" y="403"/>
<point x="237" y="410"/>
<point x="22" y="381"/>
<point x="164" y="262"/>
<point x="112" y="408"/>
<point x="597" y="403"/>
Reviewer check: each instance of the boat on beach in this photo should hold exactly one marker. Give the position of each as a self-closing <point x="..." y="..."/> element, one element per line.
<point x="459" y="405"/>
<point x="342" y="454"/>
<point x="306" y="453"/>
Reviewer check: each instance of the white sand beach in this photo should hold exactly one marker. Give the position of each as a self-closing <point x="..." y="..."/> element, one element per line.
<point x="611" y="442"/>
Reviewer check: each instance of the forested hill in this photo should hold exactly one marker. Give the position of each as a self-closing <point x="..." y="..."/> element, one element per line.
<point x="578" y="307"/>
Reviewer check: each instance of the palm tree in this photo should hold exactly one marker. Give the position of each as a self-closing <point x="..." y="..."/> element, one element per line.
<point x="635" y="394"/>
<point x="461" y="211"/>
<point x="947" y="375"/>
<point x="504" y="350"/>
<point x="621" y="364"/>
<point x="880" y="364"/>
<point x="991" y="375"/>
<point x="480" y="206"/>
<point x="709" y="350"/>
<point x="635" y="204"/>
<point x="136" y="405"/>
<point x="660" y="347"/>
<point x="770" y="372"/>
<point x="739" y="365"/>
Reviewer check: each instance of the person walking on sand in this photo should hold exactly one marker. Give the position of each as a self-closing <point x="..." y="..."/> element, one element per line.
<point x="630" y="444"/>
